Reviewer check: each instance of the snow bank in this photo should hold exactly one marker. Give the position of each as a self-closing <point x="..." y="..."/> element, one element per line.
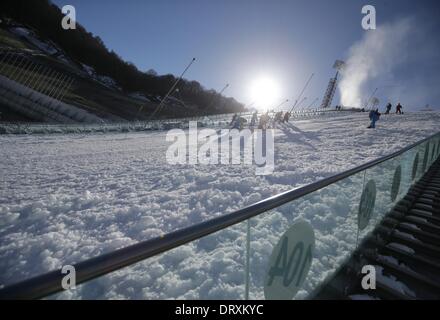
<point x="65" y="198"/>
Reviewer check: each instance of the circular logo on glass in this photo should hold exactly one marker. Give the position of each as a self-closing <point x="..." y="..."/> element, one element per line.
<point x="366" y="206"/>
<point x="290" y="262"/>
<point x="415" y="165"/>
<point x="425" y="158"/>
<point x="396" y="183"/>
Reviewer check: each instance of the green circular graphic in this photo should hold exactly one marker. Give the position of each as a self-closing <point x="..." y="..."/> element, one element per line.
<point x="396" y="183"/>
<point x="415" y="166"/>
<point x="290" y="262"/>
<point x="366" y="206"/>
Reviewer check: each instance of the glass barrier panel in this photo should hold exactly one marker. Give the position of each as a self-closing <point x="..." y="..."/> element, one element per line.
<point x="425" y="156"/>
<point x="431" y="153"/>
<point x="410" y="163"/>
<point x="434" y="150"/>
<point x="438" y="147"/>
<point x="285" y="253"/>
<point x="295" y="247"/>
<point x="383" y="184"/>
<point x="212" y="267"/>
<point x="417" y="166"/>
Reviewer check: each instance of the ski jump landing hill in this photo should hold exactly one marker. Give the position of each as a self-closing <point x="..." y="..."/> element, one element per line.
<point x="385" y="213"/>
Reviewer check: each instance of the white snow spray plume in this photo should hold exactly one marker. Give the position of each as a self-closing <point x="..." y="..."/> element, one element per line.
<point x="378" y="53"/>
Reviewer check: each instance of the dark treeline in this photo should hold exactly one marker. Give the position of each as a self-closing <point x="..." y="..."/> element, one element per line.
<point x="83" y="46"/>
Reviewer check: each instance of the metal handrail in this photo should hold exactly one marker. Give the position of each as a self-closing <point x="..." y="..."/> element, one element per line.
<point x="50" y="283"/>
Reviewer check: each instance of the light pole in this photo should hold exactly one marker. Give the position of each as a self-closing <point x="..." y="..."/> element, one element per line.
<point x="224" y="88"/>
<point x="302" y="92"/>
<point x="279" y="106"/>
<point x="159" y="107"/>
<point x="371" y="97"/>
<point x="213" y="98"/>
<point x="298" y="104"/>
<point x="310" y="105"/>
<point x="180" y="98"/>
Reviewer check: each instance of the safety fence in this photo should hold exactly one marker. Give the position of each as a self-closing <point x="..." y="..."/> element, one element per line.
<point x="221" y="120"/>
<point x="283" y="247"/>
<point x="37" y="91"/>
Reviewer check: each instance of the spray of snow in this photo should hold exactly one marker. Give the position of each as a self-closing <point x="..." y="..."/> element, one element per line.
<point x="378" y="53"/>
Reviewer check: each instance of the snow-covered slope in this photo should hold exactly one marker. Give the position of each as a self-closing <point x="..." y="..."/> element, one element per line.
<point x="65" y="198"/>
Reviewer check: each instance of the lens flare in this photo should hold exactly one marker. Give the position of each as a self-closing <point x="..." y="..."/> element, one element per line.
<point x="265" y="92"/>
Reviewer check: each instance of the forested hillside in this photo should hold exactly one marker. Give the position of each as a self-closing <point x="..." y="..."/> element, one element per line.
<point x="82" y="46"/>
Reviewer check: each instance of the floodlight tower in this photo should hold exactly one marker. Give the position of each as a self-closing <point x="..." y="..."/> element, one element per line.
<point x="302" y="92"/>
<point x="220" y="94"/>
<point x="214" y="96"/>
<point x="332" y="84"/>
<point x="311" y="104"/>
<point x="160" y="106"/>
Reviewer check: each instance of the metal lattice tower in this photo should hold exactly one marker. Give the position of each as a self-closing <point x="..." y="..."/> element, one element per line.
<point x="332" y="84"/>
<point x="330" y="92"/>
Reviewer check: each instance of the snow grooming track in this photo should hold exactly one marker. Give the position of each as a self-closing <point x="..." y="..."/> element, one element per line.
<point x="404" y="249"/>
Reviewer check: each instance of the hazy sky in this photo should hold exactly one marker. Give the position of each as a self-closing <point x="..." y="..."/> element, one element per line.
<point x="237" y="41"/>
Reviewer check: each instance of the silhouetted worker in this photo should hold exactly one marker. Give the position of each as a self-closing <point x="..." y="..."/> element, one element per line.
<point x="233" y="119"/>
<point x="286" y="117"/>
<point x="264" y="119"/>
<point x="254" y="119"/>
<point x="399" y="108"/>
<point x="278" y="117"/>
<point x="374" y="116"/>
<point x="238" y="123"/>
<point x="389" y="106"/>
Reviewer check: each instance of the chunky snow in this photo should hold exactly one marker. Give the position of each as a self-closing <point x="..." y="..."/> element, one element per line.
<point x="65" y="198"/>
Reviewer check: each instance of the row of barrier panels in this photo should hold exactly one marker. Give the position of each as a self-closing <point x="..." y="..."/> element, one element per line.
<point x="165" y="124"/>
<point x="284" y="253"/>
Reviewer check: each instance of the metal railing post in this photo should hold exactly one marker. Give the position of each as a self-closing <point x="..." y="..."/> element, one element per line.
<point x="247" y="268"/>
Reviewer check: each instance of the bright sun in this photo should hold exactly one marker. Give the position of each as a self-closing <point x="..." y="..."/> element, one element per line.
<point x="264" y="91"/>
